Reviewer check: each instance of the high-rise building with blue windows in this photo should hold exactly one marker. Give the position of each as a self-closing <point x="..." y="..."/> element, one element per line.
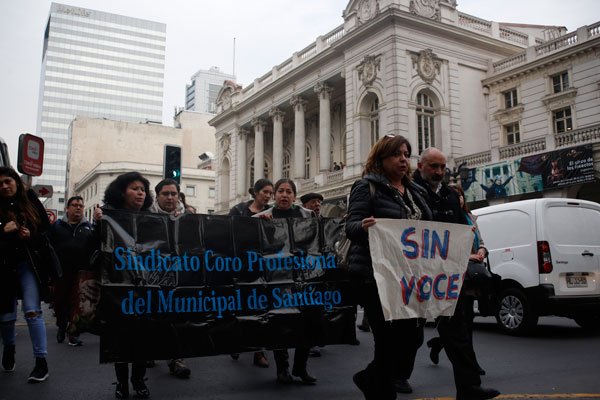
<point x="95" y="64"/>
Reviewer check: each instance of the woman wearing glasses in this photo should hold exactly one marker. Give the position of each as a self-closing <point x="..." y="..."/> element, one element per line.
<point x="385" y="191"/>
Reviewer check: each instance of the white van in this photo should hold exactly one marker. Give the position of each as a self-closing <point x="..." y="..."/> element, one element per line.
<point x="547" y="252"/>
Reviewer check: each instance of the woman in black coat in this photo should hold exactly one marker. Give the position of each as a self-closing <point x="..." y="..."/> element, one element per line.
<point x="385" y="191"/>
<point x="23" y="221"/>
<point x="129" y="191"/>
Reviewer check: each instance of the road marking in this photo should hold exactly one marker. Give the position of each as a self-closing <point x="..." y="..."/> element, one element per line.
<point x="532" y="396"/>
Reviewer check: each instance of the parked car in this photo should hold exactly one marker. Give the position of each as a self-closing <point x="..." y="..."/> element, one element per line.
<point x="547" y="252"/>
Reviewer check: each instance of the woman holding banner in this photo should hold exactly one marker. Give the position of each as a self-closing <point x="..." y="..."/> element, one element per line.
<point x="129" y="191"/>
<point x="285" y="196"/>
<point x="385" y="191"/>
<point x="261" y="195"/>
<point x="23" y="221"/>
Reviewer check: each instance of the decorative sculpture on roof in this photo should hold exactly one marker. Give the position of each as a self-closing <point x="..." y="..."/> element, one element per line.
<point x="368" y="68"/>
<point x="426" y="8"/>
<point x="367" y="9"/>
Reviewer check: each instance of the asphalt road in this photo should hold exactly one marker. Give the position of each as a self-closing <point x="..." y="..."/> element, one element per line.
<point x="560" y="361"/>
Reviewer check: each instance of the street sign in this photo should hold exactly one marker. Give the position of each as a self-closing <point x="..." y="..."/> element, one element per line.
<point x="52" y="215"/>
<point x="43" y="190"/>
<point x="31" y="155"/>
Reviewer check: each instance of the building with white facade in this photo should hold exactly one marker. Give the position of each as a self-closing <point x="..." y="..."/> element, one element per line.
<point x="99" y="65"/>
<point x="201" y="94"/>
<point x="102" y="149"/>
<point x="483" y="92"/>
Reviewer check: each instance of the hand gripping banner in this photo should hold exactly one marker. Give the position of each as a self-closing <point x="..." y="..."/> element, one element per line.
<point x="419" y="266"/>
<point x="204" y="285"/>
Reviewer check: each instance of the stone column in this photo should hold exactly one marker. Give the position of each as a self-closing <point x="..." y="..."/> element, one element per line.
<point x="298" y="103"/>
<point x="277" y="115"/>
<point x="259" y="149"/>
<point x="324" y="93"/>
<point x="242" y="162"/>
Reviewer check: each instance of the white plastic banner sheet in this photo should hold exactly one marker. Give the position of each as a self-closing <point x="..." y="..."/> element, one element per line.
<point x="419" y="266"/>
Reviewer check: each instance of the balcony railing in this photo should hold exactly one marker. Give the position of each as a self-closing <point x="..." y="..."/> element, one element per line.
<point x="474" y="23"/>
<point x="577" y="136"/>
<point x="334" y="176"/>
<point x="556" y="44"/>
<point x="519" y="149"/>
<point x="475" y="159"/>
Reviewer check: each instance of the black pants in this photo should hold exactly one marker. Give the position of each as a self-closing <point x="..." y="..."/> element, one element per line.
<point x="138" y="371"/>
<point x="456" y="334"/>
<point x="396" y="343"/>
<point x="300" y="359"/>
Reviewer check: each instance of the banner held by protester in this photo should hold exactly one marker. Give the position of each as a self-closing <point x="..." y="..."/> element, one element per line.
<point x="205" y="285"/>
<point x="419" y="266"/>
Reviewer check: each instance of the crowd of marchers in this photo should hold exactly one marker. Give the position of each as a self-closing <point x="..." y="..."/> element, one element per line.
<point x="388" y="189"/>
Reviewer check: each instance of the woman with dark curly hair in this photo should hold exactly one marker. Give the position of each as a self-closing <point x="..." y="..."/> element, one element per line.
<point x="129" y="191"/>
<point x="23" y="220"/>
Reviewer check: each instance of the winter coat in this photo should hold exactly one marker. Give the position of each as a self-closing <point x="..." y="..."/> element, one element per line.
<point x="74" y="245"/>
<point x="385" y="202"/>
<point x="14" y="251"/>
<point x="243" y="209"/>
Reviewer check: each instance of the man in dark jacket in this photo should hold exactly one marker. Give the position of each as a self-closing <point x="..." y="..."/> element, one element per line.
<point x="72" y="238"/>
<point x="445" y="206"/>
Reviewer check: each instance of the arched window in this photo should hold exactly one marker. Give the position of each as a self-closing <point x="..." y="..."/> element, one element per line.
<point x="286" y="165"/>
<point x="425" y="122"/>
<point x="374" y="120"/>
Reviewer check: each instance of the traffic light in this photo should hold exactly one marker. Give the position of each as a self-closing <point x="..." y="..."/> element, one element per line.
<point x="172" y="164"/>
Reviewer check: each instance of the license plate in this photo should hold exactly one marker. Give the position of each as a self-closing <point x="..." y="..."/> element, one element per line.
<point x="576" y="281"/>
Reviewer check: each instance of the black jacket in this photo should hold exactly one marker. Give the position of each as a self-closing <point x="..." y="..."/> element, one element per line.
<point x="74" y="245"/>
<point x="445" y="205"/>
<point x="385" y="203"/>
<point x="14" y="251"/>
<point x="243" y="209"/>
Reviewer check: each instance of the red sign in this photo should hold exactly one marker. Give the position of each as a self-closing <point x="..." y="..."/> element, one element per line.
<point x="52" y="215"/>
<point x="31" y="155"/>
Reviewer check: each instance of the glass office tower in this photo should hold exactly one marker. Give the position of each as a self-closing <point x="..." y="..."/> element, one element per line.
<point x="100" y="65"/>
<point x="201" y="94"/>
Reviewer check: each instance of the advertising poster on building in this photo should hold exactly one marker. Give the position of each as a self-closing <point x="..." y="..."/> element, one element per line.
<point x="551" y="170"/>
<point x="205" y="285"/>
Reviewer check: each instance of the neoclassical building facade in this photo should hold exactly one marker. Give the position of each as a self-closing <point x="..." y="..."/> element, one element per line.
<point x="481" y="91"/>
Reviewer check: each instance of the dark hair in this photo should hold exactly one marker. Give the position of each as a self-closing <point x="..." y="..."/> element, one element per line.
<point x="114" y="195"/>
<point x="258" y="186"/>
<point x="23" y="205"/>
<point x="73" y="198"/>
<point x="166" y="182"/>
<point x="286" y="180"/>
<point x="386" y="147"/>
<point x="461" y="192"/>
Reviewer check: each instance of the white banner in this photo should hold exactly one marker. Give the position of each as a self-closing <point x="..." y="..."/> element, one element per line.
<point x="419" y="266"/>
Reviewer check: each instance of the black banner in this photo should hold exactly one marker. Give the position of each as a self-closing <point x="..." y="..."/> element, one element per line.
<point x="205" y="285"/>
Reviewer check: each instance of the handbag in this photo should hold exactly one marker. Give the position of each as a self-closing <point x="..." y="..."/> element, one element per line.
<point x="342" y="247"/>
<point x="478" y="274"/>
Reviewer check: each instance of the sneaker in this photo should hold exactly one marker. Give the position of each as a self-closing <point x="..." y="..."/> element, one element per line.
<point x="61" y="335"/>
<point x="178" y="369"/>
<point x="122" y="390"/>
<point x="8" y="358"/>
<point x="75" y="342"/>
<point x="40" y="371"/>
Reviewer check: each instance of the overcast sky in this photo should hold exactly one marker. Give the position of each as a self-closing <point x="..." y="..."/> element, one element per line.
<point x="200" y="35"/>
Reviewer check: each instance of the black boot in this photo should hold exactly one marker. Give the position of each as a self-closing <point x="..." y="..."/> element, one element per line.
<point x="141" y="390"/>
<point x="8" y="358"/>
<point x="40" y="371"/>
<point x="122" y="372"/>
